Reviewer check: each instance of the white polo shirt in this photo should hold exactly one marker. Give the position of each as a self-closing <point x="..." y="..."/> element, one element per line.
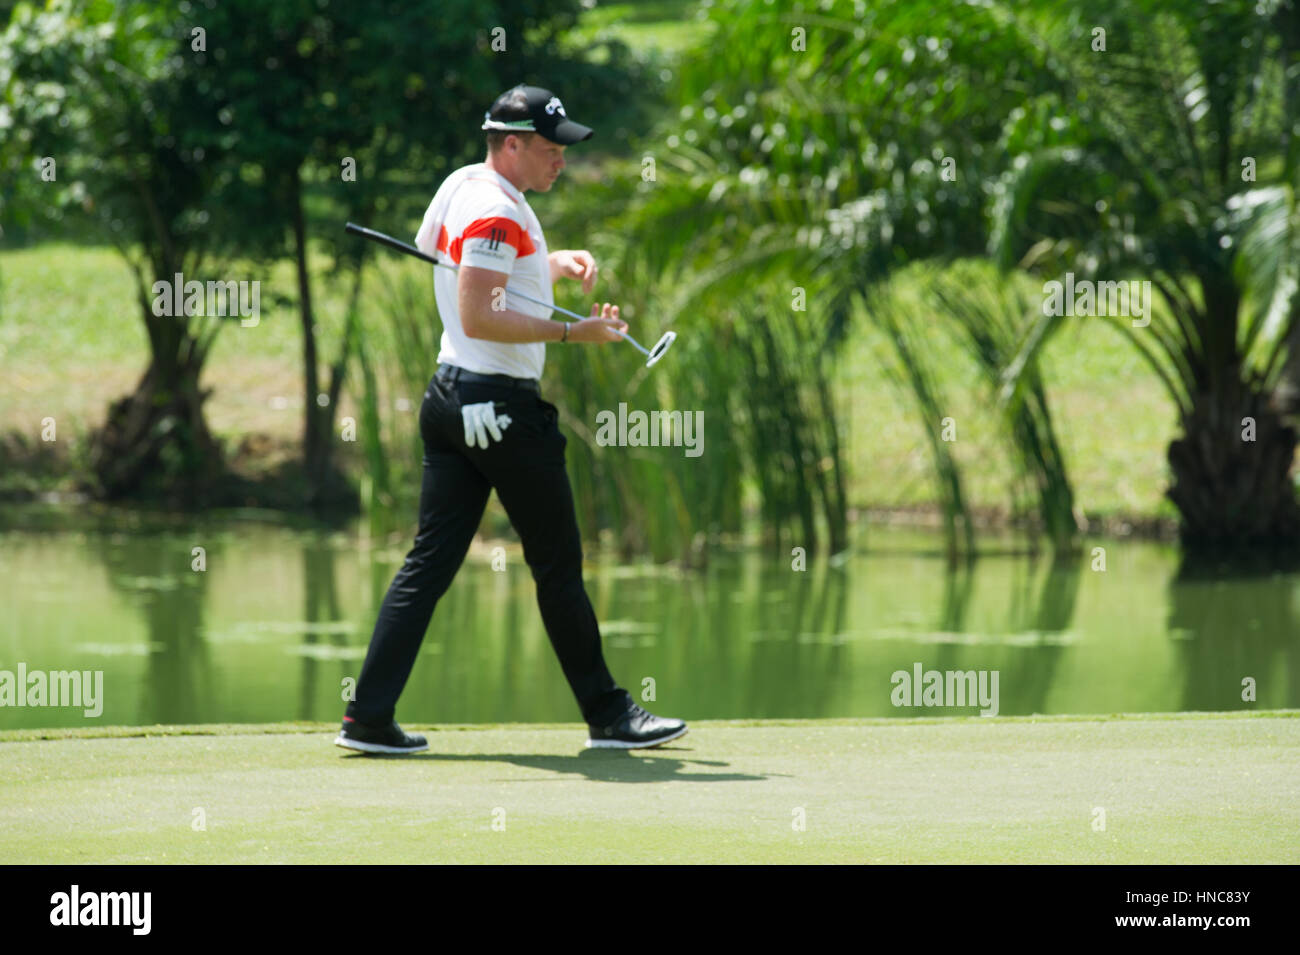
<point x="477" y="218"/>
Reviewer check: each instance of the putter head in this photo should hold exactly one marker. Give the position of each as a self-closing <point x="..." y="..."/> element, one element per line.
<point x="661" y="346"/>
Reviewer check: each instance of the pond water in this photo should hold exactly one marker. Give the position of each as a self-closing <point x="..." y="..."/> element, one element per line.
<point x="280" y="618"/>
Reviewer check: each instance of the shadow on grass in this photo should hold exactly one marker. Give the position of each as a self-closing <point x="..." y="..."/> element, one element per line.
<point x="598" y="765"/>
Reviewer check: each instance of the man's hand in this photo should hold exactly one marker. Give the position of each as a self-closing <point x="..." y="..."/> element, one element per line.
<point x="574" y="264"/>
<point x="603" y="326"/>
<point x="480" y="421"/>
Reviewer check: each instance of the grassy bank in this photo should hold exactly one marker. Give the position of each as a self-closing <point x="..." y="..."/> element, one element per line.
<point x="1113" y="419"/>
<point x="71" y="345"/>
<point x="1200" y="788"/>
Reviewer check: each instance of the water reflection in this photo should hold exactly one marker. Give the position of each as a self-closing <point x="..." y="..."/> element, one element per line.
<point x="281" y="618"/>
<point x="157" y="578"/>
<point x="1230" y="627"/>
<point x="321" y="606"/>
<point x="1048" y="612"/>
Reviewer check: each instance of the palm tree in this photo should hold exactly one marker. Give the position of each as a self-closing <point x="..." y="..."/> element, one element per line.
<point x="1114" y="140"/>
<point x="1177" y="165"/>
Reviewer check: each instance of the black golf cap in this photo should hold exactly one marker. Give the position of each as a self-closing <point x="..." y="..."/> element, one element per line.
<point x="543" y="114"/>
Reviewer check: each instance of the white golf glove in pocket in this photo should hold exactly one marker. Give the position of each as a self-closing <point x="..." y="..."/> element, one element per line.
<point x="482" y="420"/>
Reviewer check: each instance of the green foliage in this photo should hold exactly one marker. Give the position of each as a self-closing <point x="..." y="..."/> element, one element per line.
<point x="781" y="170"/>
<point x="1147" y="178"/>
<point x="986" y="315"/>
<point x="407" y="342"/>
<point x="188" y="140"/>
<point x="1179" y="168"/>
<point x="998" y="126"/>
<point x="891" y="310"/>
<point x="819" y="148"/>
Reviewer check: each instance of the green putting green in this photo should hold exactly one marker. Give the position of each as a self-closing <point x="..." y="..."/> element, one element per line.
<point x="1196" y="788"/>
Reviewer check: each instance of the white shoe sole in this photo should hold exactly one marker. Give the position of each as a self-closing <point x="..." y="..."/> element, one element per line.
<point x="623" y="744"/>
<point x="361" y="747"/>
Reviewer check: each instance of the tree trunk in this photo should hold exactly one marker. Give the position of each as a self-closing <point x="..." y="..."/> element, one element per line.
<point x="1233" y="489"/>
<point x="315" y="445"/>
<point x="156" y="439"/>
<point x="1287" y="396"/>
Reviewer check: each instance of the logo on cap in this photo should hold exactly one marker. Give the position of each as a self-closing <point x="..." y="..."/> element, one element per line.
<point x="555" y="106"/>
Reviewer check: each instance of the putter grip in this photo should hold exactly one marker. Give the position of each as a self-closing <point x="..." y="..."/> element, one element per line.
<point x="389" y="241"/>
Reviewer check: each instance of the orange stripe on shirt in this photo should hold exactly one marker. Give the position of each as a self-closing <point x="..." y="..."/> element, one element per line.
<point x="508" y="231"/>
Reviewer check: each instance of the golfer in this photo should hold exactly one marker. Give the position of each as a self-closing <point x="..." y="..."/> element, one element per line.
<point x="484" y="425"/>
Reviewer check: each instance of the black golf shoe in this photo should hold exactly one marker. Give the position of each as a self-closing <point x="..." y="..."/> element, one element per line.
<point x="635" y="729"/>
<point x="378" y="739"/>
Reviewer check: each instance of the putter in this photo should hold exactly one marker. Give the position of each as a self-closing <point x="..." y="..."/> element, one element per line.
<point x="652" y="355"/>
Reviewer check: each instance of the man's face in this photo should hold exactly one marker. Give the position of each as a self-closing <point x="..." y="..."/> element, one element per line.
<point x="540" y="162"/>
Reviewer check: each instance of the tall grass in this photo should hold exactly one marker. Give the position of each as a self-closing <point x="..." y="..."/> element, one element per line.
<point x="396" y="361"/>
<point x="989" y="315"/>
<point x="759" y="373"/>
<point x="894" y="311"/>
<point x="753" y="376"/>
<point x="927" y="312"/>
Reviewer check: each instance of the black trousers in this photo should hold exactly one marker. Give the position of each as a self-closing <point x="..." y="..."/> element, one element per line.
<point x="527" y="470"/>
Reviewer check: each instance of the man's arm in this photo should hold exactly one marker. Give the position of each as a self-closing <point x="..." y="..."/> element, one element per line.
<point x="476" y="290"/>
